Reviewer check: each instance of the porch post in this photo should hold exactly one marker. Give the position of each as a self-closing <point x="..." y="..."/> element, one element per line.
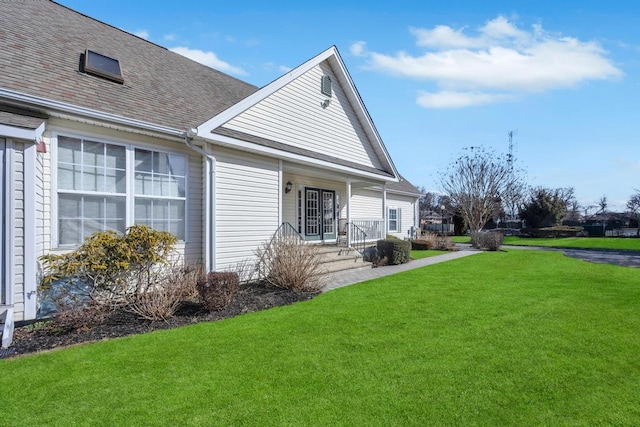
<point x="348" y="212"/>
<point x="280" y="201"/>
<point x="384" y="211"/>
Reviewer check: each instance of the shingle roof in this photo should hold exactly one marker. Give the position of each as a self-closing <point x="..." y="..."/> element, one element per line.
<point x="403" y="186"/>
<point x="296" y="150"/>
<point x="40" y="47"/>
<point x="21" y="118"/>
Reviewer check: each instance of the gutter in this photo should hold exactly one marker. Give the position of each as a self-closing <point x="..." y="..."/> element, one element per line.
<point x="210" y="199"/>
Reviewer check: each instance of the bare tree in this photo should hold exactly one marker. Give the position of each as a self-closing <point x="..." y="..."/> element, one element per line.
<point x="476" y="183"/>
<point x="633" y="205"/>
<point x="602" y="204"/>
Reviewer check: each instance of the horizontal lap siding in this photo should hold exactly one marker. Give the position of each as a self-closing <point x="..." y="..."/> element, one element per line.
<point x="247" y="205"/>
<point x="293" y="115"/>
<point x="406" y="207"/>
<point x="366" y="204"/>
<point x="192" y="250"/>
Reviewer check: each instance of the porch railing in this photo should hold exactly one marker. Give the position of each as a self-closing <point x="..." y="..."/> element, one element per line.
<point x="285" y="231"/>
<point x="371" y="227"/>
<point x="358" y="237"/>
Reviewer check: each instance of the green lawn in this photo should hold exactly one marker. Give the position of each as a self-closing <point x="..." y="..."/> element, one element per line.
<point x="425" y="254"/>
<point x="503" y="338"/>
<point x="569" y="242"/>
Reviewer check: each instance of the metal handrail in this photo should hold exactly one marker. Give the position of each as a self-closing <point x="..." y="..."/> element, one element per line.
<point x="357" y="237"/>
<point x="286" y="230"/>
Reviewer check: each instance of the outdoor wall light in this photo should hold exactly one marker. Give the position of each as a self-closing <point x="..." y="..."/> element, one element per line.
<point x="288" y="187"/>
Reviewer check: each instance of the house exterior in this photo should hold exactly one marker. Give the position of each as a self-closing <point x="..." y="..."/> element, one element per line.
<point x="100" y="129"/>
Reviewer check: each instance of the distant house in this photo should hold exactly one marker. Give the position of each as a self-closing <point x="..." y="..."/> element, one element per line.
<point x="100" y="129"/>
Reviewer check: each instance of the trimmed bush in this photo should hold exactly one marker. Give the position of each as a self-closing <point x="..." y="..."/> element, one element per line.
<point x="490" y="241"/>
<point x="395" y="251"/>
<point x="218" y="289"/>
<point x="557" y="231"/>
<point x="433" y="241"/>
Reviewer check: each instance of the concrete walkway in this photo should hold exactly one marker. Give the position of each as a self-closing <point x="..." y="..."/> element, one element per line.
<point x="340" y="279"/>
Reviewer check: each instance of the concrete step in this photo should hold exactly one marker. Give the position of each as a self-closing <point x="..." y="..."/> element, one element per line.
<point x="336" y="259"/>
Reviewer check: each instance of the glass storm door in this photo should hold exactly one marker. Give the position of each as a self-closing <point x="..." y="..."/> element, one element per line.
<point x="320" y="214"/>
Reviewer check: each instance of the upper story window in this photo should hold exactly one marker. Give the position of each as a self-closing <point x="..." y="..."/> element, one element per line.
<point x="96" y="183"/>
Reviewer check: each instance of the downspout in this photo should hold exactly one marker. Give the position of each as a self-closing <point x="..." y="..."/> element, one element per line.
<point x="209" y="202"/>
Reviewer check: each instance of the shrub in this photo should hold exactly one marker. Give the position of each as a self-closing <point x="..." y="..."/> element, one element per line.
<point x="109" y="265"/>
<point x="490" y="241"/>
<point x="394" y="250"/>
<point x="165" y="290"/>
<point x="218" y="289"/>
<point x="433" y="241"/>
<point x="290" y="263"/>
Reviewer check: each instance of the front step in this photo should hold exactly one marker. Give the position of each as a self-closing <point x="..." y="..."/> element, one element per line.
<point x="334" y="259"/>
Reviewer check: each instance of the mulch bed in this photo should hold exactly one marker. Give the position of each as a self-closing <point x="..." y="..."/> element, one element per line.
<point x="37" y="337"/>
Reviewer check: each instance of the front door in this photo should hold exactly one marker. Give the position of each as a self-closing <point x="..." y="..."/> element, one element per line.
<point x="320" y="214"/>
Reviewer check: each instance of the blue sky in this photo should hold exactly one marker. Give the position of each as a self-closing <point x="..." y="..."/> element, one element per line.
<point x="439" y="76"/>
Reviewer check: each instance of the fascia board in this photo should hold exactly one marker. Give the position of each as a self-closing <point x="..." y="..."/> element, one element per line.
<point x="297" y="158"/>
<point x="261" y="94"/>
<point x="87" y="112"/>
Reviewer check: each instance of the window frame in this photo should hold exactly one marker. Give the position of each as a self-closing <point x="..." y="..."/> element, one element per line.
<point x="129" y="194"/>
<point x="396" y="220"/>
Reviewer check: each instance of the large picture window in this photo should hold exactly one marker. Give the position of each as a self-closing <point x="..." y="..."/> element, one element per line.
<point x="93" y="194"/>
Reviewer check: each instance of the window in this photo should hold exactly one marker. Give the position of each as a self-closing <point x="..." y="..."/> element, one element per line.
<point x="102" y="66"/>
<point x="93" y="190"/>
<point x="394" y="220"/>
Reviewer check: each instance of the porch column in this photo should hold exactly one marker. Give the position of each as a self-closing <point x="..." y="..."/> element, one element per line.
<point x="384" y="211"/>
<point x="348" y="212"/>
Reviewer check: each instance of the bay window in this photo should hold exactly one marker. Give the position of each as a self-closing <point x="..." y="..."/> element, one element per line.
<point x="94" y="195"/>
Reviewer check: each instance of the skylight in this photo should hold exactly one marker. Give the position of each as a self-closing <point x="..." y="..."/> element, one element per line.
<point x="102" y="66"/>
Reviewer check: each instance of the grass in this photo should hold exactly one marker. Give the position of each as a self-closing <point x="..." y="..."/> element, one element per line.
<point x="568" y="242"/>
<point x="426" y="254"/>
<point x="503" y="338"/>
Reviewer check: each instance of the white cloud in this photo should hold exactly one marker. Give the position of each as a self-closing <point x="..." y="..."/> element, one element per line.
<point x="209" y="59"/>
<point x="445" y="99"/>
<point x="499" y="63"/>
<point x="357" y="48"/>
<point x="169" y="37"/>
<point x="143" y="34"/>
<point x="284" y="69"/>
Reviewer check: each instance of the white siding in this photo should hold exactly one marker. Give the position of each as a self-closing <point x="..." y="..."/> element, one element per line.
<point x="293" y="115"/>
<point x="191" y="250"/>
<point x="18" y="230"/>
<point x="247" y="205"/>
<point x="406" y="209"/>
<point x="366" y="204"/>
<point x="290" y="200"/>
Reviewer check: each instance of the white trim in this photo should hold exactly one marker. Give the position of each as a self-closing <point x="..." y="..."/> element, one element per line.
<point x="130" y="146"/>
<point x="385" y="225"/>
<point x="205" y="129"/>
<point x="397" y="219"/>
<point x="280" y="154"/>
<point x="208" y="126"/>
<point x="30" y="258"/>
<point x="280" y="192"/>
<point x="88" y="112"/>
<point x="9" y="212"/>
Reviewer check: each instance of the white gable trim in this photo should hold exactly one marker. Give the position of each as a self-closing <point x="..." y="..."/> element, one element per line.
<point x="297" y="158"/>
<point x="205" y="130"/>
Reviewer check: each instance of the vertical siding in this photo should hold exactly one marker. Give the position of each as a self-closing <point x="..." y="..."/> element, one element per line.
<point x="247" y="205"/>
<point x="293" y="115"/>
